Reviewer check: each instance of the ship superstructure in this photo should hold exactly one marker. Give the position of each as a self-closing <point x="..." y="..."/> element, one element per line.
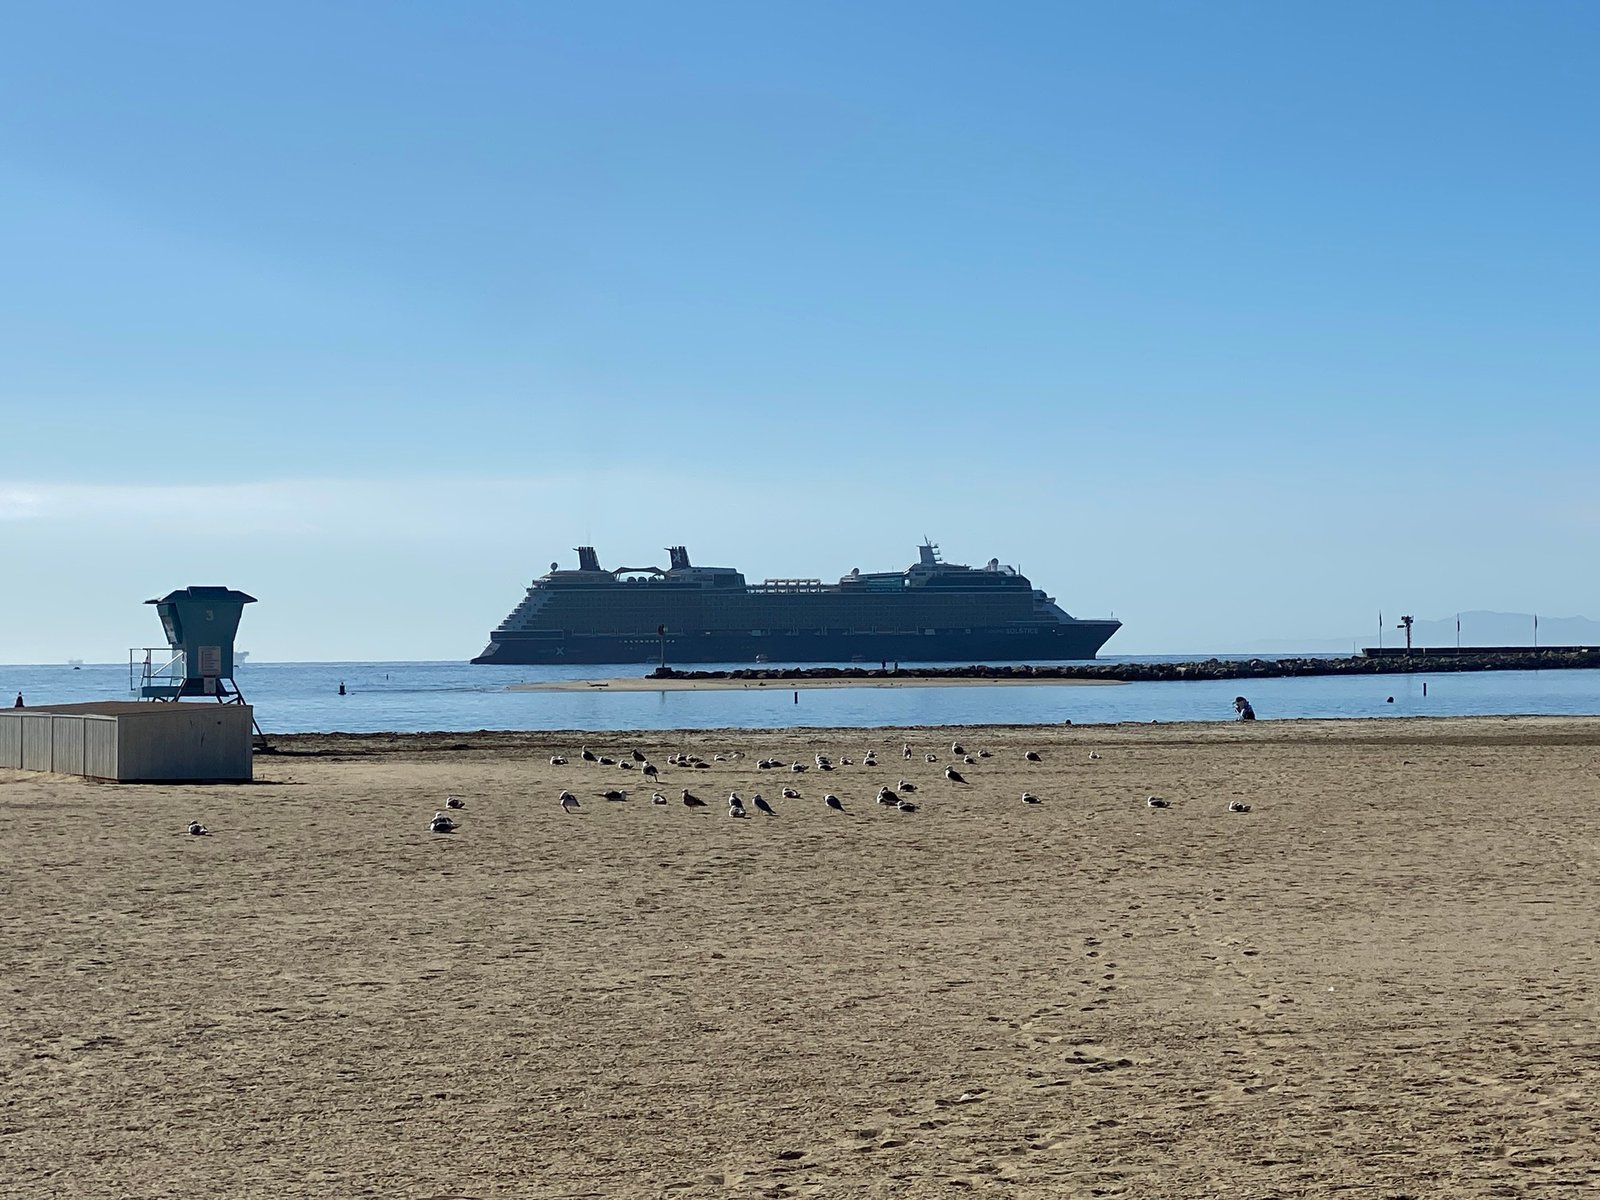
<point x="931" y="612"/>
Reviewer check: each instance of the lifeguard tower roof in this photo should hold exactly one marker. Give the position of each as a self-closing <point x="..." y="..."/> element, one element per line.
<point x="203" y="593"/>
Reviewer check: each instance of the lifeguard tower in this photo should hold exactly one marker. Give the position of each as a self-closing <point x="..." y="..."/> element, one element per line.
<point x="200" y="623"/>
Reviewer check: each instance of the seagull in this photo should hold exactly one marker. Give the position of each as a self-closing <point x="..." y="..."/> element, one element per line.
<point x="701" y="764"/>
<point x="832" y="801"/>
<point x="557" y="761"/>
<point x="734" y="800"/>
<point x="932" y="758"/>
<point x="197" y="829"/>
<point x="790" y="794"/>
<point x="607" y="762"/>
<point x="1094" y="756"/>
<point x="766" y="764"/>
<point x="797" y="767"/>
<point x="955" y="748"/>
<point x="871" y="760"/>
<point x="984" y="754"/>
<point x="885" y="796"/>
<point x="968" y="760"/>
<point x="588" y="755"/>
<point x="906" y="806"/>
<point x="1157" y="802"/>
<point x="441" y="824"/>
<point x="1238" y="806"/>
<point x="649" y="771"/>
<point x="953" y="775"/>
<point x="657" y="798"/>
<point x="568" y="802"/>
<point x="1029" y="798"/>
<point x="737" y="810"/>
<point x="454" y="802"/>
<point x="760" y="803"/>
<point x="613" y="794"/>
<point x="692" y="801"/>
<point x="907" y="749"/>
<point x="903" y="786"/>
<point x="625" y="765"/>
<point x="639" y="756"/>
<point x="1033" y="756"/>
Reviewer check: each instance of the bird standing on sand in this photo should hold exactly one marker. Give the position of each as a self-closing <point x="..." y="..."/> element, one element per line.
<point x="761" y="803"/>
<point x="1030" y="798"/>
<point x="569" y="802"/>
<point x="588" y="755"/>
<point x="953" y="775"/>
<point x="832" y="802"/>
<point x="690" y="800"/>
<point x="454" y="802"/>
<point x="649" y="771"/>
<point x="441" y="824"/>
<point x="907" y="749"/>
<point x="639" y="756"/>
<point x="197" y="830"/>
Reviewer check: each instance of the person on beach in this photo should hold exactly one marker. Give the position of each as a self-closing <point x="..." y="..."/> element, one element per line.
<point x="18" y="704"/>
<point x="1242" y="707"/>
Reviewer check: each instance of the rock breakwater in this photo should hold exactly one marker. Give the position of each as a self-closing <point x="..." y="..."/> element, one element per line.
<point x="1210" y="668"/>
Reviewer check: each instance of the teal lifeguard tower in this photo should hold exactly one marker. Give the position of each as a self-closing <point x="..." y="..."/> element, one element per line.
<point x="200" y="624"/>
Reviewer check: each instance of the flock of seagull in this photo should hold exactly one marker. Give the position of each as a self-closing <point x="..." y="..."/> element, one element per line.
<point x="897" y="797"/>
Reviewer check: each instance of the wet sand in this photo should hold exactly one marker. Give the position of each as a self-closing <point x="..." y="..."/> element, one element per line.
<point x="1381" y="981"/>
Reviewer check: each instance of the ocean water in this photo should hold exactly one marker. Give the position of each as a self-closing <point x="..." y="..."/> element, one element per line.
<point x="416" y="696"/>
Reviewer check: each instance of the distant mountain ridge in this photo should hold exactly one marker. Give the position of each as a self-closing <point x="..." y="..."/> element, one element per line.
<point x="1478" y="628"/>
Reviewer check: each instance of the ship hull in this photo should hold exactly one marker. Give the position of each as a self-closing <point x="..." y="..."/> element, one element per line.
<point x="1078" y="640"/>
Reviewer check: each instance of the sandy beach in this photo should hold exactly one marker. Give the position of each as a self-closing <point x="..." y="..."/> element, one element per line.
<point x="1379" y="982"/>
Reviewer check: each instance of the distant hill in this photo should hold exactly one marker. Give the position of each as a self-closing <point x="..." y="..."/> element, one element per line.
<point x="1478" y="628"/>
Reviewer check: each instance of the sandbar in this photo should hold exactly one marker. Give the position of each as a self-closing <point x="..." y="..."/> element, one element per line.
<point x="646" y="684"/>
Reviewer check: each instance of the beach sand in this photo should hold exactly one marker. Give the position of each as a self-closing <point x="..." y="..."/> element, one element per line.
<point x="1380" y="982"/>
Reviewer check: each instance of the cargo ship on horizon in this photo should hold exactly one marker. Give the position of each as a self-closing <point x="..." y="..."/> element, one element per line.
<point x="931" y="612"/>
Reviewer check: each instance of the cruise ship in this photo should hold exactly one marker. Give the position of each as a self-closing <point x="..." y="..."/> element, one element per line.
<point x="933" y="611"/>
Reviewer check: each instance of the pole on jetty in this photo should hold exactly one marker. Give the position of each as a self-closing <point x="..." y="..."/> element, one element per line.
<point x="661" y="632"/>
<point x="1405" y="623"/>
<point x="1380" y="629"/>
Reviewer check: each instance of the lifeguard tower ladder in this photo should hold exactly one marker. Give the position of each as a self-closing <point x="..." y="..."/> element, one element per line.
<point x="200" y="623"/>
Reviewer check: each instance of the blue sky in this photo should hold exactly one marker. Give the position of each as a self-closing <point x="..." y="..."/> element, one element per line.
<point x="1240" y="321"/>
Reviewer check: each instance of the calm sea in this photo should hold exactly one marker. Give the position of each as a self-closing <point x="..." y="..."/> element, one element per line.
<point x="412" y="696"/>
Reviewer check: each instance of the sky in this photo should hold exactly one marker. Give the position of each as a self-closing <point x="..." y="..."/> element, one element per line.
<point x="1239" y="321"/>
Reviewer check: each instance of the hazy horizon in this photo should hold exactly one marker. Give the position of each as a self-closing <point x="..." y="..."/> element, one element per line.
<point x="1239" y="322"/>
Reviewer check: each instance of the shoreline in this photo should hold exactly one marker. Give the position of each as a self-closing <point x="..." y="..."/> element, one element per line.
<point x="1440" y="730"/>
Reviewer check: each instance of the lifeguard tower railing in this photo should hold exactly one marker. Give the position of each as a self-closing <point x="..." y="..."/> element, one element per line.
<point x="156" y="672"/>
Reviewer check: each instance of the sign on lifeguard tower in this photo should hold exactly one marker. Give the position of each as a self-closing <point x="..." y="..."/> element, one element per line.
<point x="200" y="623"/>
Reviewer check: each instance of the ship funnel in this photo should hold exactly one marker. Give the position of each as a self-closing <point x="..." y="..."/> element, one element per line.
<point x="588" y="560"/>
<point x="680" y="558"/>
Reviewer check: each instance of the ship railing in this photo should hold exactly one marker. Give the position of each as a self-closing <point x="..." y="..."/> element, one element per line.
<point x="156" y="672"/>
<point x="789" y="585"/>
